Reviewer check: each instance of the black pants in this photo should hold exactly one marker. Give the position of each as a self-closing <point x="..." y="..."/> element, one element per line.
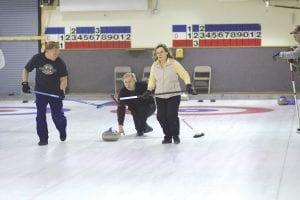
<point x="141" y="114"/>
<point x="167" y="115"/>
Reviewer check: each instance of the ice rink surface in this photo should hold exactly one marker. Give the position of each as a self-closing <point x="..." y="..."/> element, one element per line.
<point x="250" y="151"/>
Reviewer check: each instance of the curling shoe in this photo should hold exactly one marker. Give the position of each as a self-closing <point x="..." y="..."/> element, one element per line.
<point x="63" y="135"/>
<point x="148" y="129"/>
<point x="42" y="143"/>
<point x="140" y="133"/>
<point x="176" y="140"/>
<point x="166" y="141"/>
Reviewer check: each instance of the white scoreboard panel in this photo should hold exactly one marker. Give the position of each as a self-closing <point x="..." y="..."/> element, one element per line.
<point x="90" y="36"/>
<point x="213" y="35"/>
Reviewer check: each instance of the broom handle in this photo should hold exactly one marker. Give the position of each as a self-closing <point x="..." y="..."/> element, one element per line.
<point x="157" y="94"/>
<point x="294" y="91"/>
<point x="187" y="124"/>
<point x="67" y="98"/>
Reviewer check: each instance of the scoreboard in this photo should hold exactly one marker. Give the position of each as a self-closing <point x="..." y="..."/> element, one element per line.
<point x="90" y="37"/>
<point x="214" y="35"/>
<point x="184" y="35"/>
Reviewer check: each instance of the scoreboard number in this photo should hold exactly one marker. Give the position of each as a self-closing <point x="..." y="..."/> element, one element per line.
<point x="210" y="35"/>
<point x="90" y="37"/>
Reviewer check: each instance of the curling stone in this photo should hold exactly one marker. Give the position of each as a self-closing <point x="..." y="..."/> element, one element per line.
<point x="110" y="135"/>
<point x="282" y="100"/>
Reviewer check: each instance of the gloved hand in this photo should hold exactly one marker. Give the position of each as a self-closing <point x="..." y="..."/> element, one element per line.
<point x="25" y="87"/>
<point x="121" y="130"/>
<point x="190" y="90"/>
<point x="61" y="94"/>
<point x="275" y="56"/>
<point x="146" y="94"/>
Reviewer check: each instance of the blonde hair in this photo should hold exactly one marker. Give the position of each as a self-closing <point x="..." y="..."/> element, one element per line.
<point x="129" y="74"/>
<point x="154" y="56"/>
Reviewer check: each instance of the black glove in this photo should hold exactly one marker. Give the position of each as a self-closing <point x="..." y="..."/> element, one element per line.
<point x="146" y="94"/>
<point x="190" y="90"/>
<point x="61" y="94"/>
<point x="25" y="87"/>
<point x="275" y="56"/>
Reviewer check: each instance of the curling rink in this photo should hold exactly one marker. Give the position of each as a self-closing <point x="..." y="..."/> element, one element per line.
<point x="250" y="151"/>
